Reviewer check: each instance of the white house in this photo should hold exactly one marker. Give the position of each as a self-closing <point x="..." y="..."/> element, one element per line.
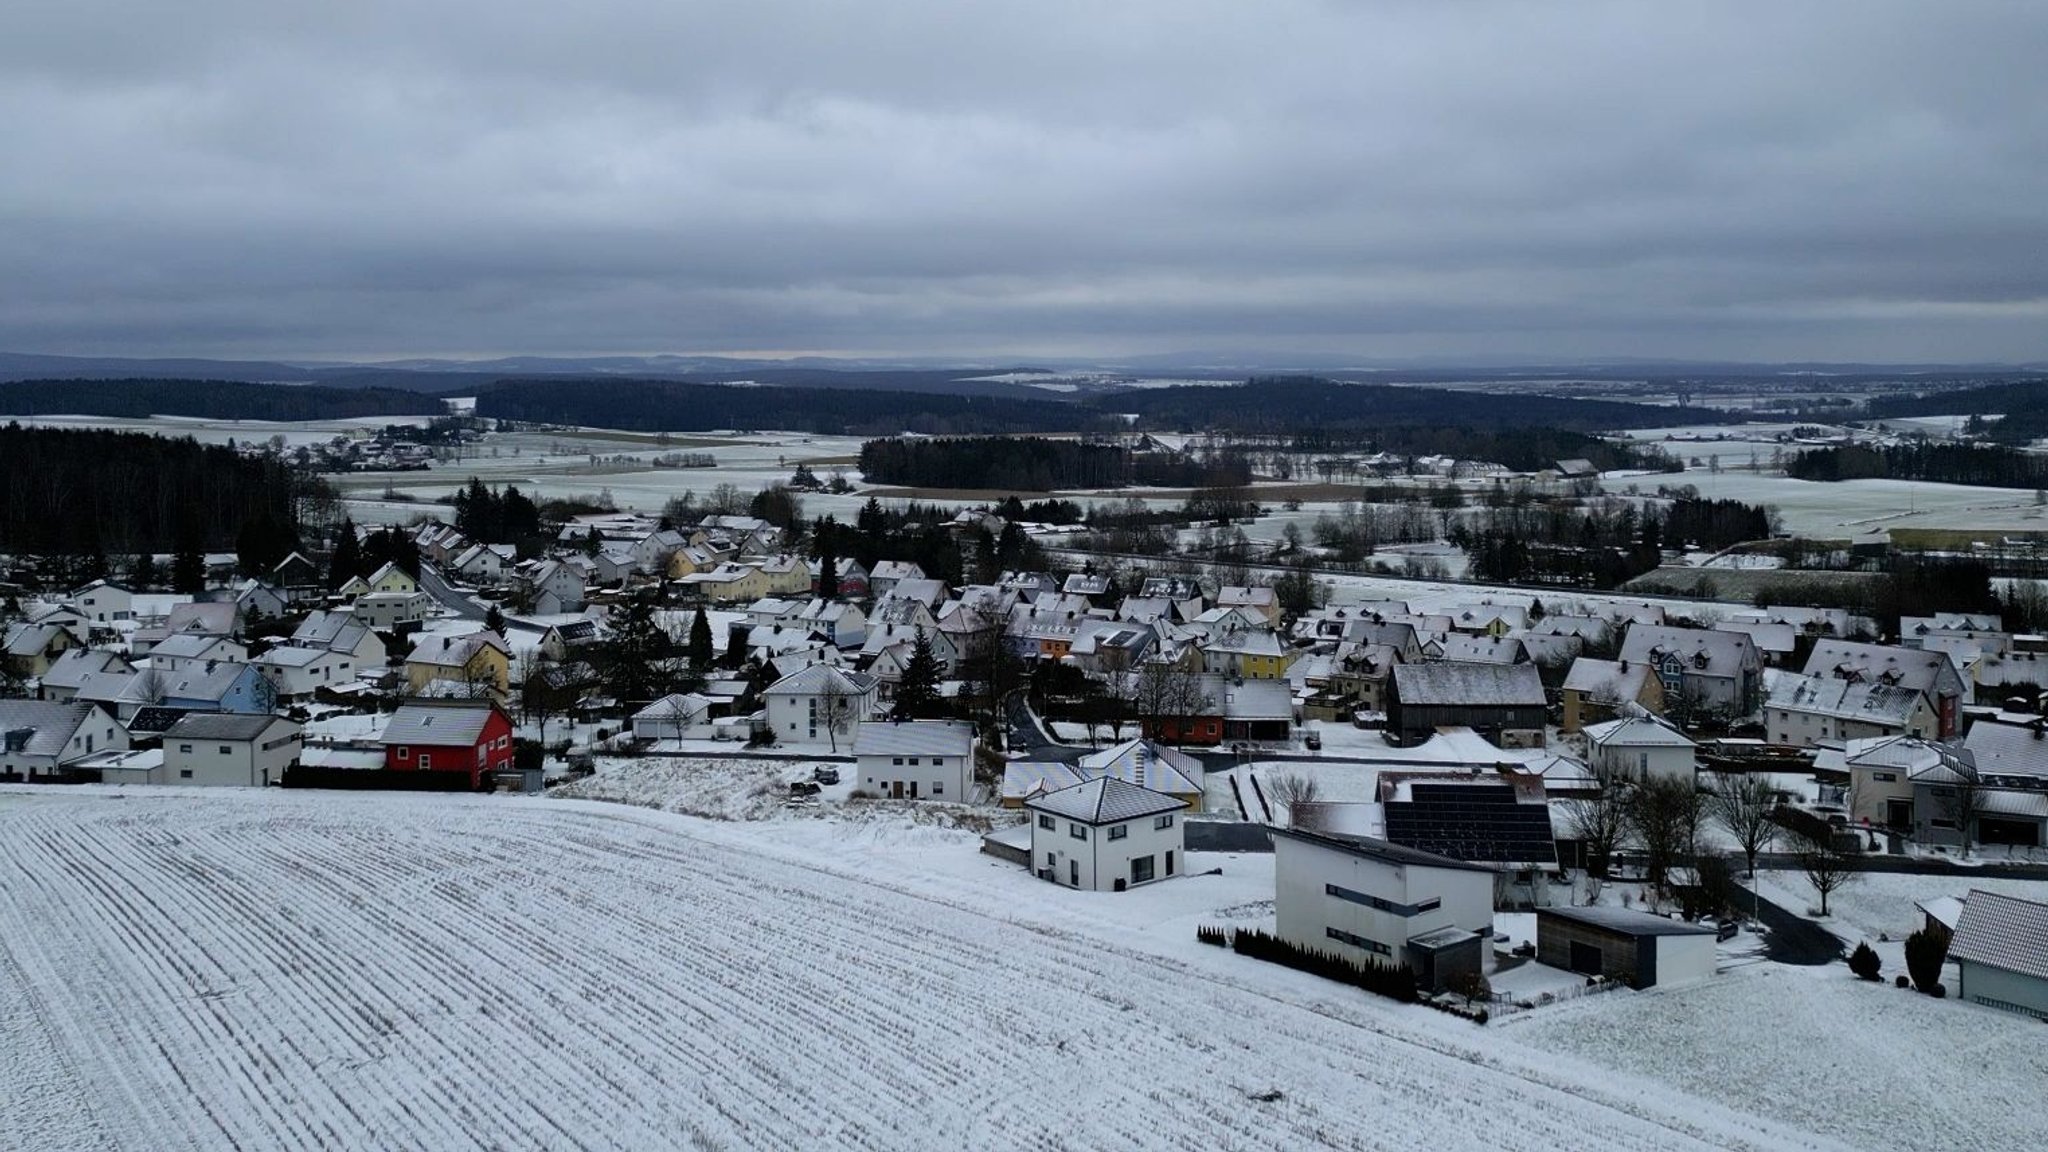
<point x="916" y="759"/>
<point x="222" y="748"/>
<point x="2001" y="953"/>
<point x="296" y="671"/>
<point x="341" y="632"/>
<point x="1105" y="835"/>
<point x="1808" y="711"/>
<point x="1375" y="902"/>
<point x="820" y="704"/>
<point x="103" y="603"/>
<point x="40" y="737"/>
<point x="186" y="649"/>
<point x="677" y="716"/>
<point x="1641" y="748"/>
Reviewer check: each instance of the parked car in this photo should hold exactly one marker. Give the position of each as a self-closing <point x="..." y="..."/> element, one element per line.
<point x="799" y="788"/>
<point x="825" y="774"/>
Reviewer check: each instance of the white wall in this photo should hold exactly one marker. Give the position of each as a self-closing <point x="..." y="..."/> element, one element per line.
<point x="231" y="763"/>
<point x="923" y="777"/>
<point x="1098" y="860"/>
<point x="1684" y="959"/>
<point x="1650" y="762"/>
<point x="1980" y="983"/>
<point x="1305" y="912"/>
<point x="790" y="718"/>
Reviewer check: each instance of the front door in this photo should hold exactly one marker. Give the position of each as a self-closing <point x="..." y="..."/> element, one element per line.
<point x="1899" y="814"/>
<point x="1169" y="862"/>
<point x="913" y="789"/>
<point x="1074" y="873"/>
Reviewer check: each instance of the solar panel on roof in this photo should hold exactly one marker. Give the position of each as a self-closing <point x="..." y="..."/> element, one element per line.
<point x="1480" y="823"/>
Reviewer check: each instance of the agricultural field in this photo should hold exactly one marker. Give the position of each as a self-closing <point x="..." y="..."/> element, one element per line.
<point x="274" y="970"/>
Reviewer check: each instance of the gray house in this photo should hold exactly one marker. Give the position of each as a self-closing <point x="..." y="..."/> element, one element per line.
<point x="2001" y="952"/>
<point x="1932" y="674"/>
<point x="1699" y="668"/>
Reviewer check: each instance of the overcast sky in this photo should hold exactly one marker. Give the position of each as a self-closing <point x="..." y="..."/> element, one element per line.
<point x="1864" y="180"/>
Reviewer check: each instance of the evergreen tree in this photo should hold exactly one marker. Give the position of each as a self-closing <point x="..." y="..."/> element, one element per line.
<point x="828" y="573"/>
<point x="637" y="656"/>
<point x="918" y="691"/>
<point x="188" y="571"/>
<point x="142" y="573"/>
<point x="347" y="560"/>
<point x="701" y="652"/>
<point x="494" y="620"/>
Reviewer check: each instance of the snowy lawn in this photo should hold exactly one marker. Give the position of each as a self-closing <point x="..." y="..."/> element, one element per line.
<point x="1819" y="1049"/>
<point x="291" y="970"/>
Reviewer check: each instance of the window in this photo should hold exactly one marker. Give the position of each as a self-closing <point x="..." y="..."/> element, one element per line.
<point x="1141" y="870"/>
<point x="897" y="760"/>
<point x="1044" y="821"/>
<point x="1162" y="823"/>
<point x="188" y="748"/>
<point x="1429" y="905"/>
<point x="184" y="773"/>
<point x="404" y="753"/>
<point x="424" y="761"/>
<point x="1119" y="832"/>
<point x="225" y="750"/>
<point x="1379" y="904"/>
<point x="1885" y="777"/>
<point x="1077" y="831"/>
<point x="938" y="788"/>
<point x="1356" y="941"/>
<point x="913" y="761"/>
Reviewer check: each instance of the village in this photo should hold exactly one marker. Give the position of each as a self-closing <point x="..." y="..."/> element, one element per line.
<point x="1487" y="800"/>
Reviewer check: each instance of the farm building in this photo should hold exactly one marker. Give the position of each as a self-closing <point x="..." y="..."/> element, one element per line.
<point x="1636" y="948"/>
<point x="1503" y="702"/>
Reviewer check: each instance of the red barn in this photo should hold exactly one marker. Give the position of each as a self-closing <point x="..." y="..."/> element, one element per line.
<point x="472" y="736"/>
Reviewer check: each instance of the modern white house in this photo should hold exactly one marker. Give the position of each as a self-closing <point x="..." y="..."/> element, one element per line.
<point x="821" y="704"/>
<point x="2001" y="952"/>
<point x="220" y="748"/>
<point x="916" y="759"/>
<point x="1641" y="748"/>
<point x="1105" y="835"/>
<point x="1375" y="902"/>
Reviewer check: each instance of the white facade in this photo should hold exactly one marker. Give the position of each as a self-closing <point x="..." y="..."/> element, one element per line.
<point x="1365" y="903"/>
<point x="221" y="760"/>
<point x="1096" y="857"/>
<point x="916" y="760"/>
<point x="819" y="705"/>
<point x="299" y="671"/>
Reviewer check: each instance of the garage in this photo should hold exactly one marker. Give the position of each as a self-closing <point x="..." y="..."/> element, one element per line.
<point x="1635" y="948"/>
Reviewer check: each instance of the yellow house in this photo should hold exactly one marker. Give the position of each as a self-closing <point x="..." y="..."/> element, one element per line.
<point x="731" y="583"/>
<point x="1248" y="655"/>
<point x="392" y="578"/>
<point x="787" y="575"/>
<point x="690" y="560"/>
<point x="479" y="661"/>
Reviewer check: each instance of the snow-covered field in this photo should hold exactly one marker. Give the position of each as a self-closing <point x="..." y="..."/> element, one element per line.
<point x="275" y="970"/>
<point x="1815" y="1047"/>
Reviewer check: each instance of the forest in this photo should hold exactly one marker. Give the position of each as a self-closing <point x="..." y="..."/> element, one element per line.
<point x="1978" y="465"/>
<point x="1039" y="464"/>
<point x="668" y="406"/>
<point x="2023" y="402"/>
<point x="91" y="492"/>
<point x="208" y="399"/>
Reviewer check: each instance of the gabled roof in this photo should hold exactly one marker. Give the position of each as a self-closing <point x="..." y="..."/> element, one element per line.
<point x="1105" y="800"/>
<point x="915" y="738"/>
<point x="1383" y="851"/>
<point x="819" y="679"/>
<point x="1456" y="684"/>
<point x="1637" y="732"/>
<point x="1701" y="651"/>
<point x="222" y="726"/>
<point x="2002" y="932"/>
<point x="438" y="725"/>
<point x="48" y="725"/>
<point x="1606" y="681"/>
<point x="1902" y="667"/>
<point x="1149" y="765"/>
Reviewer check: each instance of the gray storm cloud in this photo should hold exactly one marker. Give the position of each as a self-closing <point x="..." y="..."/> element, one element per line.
<point x="1744" y="181"/>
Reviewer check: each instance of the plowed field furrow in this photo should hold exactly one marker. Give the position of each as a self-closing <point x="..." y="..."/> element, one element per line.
<point x="269" y="970"/>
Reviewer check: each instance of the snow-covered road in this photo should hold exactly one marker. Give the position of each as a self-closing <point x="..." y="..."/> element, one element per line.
<point x="270" y="970"/>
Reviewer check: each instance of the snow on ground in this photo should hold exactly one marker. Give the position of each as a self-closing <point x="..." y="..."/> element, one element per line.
<point x="279" y="970"/>
<point x="1818" y="1049"/>
<point x="1882" y="904"/>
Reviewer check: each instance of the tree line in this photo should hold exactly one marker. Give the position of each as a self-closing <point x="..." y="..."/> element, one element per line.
<point x="88" y="491"/>
<point x="1038" y="464"/>
<point x="1977" y="465"/>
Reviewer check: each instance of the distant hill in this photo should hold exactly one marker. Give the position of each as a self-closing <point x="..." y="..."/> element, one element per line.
<point x="208" y="399"/>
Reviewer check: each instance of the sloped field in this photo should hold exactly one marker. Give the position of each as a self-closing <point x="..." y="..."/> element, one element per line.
<point x="263" y="970"/>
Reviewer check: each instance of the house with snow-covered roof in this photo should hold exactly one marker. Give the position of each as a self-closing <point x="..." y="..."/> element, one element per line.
<point x="916" y="759"/>
<point x="1642" y="747"/>
<point x="1931" y="674"/>
<point x="821" y="704"/>
<point x="2000" y="949"/>
<point x="1105" y="835"/>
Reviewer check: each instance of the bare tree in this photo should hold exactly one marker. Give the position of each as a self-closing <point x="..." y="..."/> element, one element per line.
<point x="1961" y="800"/>
<point x="1292" y="788"/>
<point x="835" y="711"/>
<point x="539" y="697"/>
<point x="1826" y="867"/>
<point x="1744" y="805"/>
<point x="1599" y="822"/>
<point x="1664" y="813"/>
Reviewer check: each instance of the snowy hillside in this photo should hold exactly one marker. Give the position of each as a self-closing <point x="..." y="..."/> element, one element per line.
<point x="271" y="970"/>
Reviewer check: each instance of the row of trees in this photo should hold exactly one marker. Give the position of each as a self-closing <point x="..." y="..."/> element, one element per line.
<point x="1979" y="465"/>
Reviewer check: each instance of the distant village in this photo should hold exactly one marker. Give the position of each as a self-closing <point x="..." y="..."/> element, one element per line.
<point x="1418" y="767"/>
